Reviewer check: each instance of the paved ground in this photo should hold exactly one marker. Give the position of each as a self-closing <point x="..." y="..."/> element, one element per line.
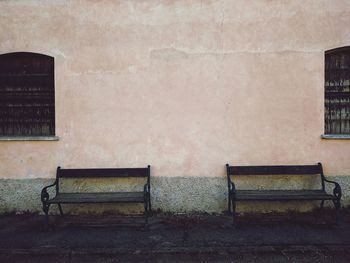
<point x="269" y="238"/>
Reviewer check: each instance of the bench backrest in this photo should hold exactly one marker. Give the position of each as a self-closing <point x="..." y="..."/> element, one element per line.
<point x="103" y="172"/>
<point x="275" y="170"/>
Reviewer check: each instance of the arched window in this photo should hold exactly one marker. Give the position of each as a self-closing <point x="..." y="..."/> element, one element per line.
<point x="337" y="91"/>
<point x="27" y="95"/>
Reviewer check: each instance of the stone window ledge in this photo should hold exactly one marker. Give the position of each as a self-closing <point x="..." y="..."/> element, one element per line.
<point x="336" y="136"/>
<point x="29" y="138"/>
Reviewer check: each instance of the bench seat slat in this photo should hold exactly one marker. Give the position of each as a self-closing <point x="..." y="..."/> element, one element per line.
<point x="121" y="197"/>
<point x="283" y="195"/>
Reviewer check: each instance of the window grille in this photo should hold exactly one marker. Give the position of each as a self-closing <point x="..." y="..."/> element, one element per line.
<point x="27" y="96"/>
<point x="337" y="91"/>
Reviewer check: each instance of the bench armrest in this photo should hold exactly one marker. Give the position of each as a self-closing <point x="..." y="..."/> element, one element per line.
<point x="231" y="187"/>
<point x="44" y="194"/>
<point x="147" y="188"/>
<point x="337" y="189"/>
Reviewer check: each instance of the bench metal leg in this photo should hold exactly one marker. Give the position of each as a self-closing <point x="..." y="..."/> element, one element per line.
<point x="234" y="215"/>
<point x="229" y="204"/>
<point x="46" y="208"/>
<point x="337" y="210"/>
<point x="322" y="204"/>
<point x="145" y="204"/>
<point x="60" y="208"/>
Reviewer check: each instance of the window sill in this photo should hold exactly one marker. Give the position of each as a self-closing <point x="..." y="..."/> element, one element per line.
<point x="336" y="136"/>
<point x="29" y="138"/>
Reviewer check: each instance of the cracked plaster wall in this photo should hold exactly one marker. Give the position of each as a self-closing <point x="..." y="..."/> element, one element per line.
<point x="185" y="86"/>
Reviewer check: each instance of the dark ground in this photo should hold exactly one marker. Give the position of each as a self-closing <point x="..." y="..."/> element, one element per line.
<point x="311" y="237"/>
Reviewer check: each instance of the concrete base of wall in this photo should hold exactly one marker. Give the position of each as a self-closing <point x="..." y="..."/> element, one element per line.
<point x="169" y="194"/>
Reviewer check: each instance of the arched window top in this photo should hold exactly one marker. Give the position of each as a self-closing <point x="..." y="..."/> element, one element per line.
<point x="21" y="53"/>
<point x="26" y="63"/>
<point x="338" y="50"/>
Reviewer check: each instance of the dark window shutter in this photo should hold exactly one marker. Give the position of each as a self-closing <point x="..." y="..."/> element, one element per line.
<point x="337" y="91"/>
<point x="27" y="95"/>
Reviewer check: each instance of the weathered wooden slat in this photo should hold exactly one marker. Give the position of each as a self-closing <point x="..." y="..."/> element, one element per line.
<point x="120" y="197"/>
<point x="283" y="195"/>
<point x="103" y="172"/>
<point x="274" y="170"/>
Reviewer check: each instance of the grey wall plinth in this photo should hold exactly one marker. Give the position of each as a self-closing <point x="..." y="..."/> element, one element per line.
<point x="169" y="194"/>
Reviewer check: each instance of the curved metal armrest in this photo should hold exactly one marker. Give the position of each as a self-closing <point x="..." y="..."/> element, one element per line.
<point x="44" y="194"/>
<point x="337" y="189"/>
<point x="232" y="187"/>
<point x="147" y="188"/>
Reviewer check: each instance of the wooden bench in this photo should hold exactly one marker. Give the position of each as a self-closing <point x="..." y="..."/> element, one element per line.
<point x="280" y="195"/>
<point x="142" y="196"/>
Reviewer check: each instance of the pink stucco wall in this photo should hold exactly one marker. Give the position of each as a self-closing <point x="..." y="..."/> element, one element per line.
<point x="185" y="86"/>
